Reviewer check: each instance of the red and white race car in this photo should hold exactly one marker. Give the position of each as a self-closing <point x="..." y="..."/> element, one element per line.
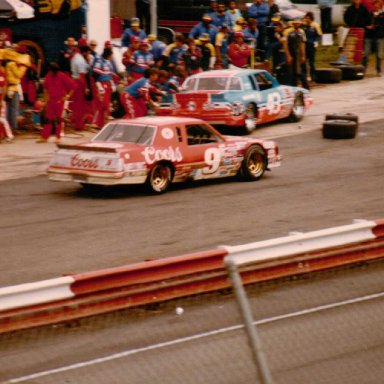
<point x="158" y="150"/>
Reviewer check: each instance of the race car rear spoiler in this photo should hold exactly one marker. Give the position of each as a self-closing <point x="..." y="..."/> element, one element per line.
<point x="87" y="148"/>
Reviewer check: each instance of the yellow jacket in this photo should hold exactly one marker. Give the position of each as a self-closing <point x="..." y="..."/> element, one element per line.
<point x="14" y="73"/>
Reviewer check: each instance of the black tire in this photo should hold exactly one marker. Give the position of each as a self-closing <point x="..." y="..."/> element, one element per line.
<point x="352" y="72"/>
<point x="254" y="163"/>
<point x="339" y="129"/>
<point x="336" y="63"/>
<point x="342" y="116"/>
<point x="250" y="118"/>
<point x="298" y="108"/>
<point x="159" y="178"/>
<point x="328" y="75"/>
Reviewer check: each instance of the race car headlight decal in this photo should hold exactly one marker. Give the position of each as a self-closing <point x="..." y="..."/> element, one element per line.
<point x="237" y="108"/>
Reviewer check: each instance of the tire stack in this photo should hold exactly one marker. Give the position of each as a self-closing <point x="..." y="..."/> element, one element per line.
<point x="350" y="71"/>
<point x="340" y="126"/>
<point x="328" y="75"/>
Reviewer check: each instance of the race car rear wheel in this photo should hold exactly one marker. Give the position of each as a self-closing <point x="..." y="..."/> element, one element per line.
<point x="339" y="129"/>
<point x="254" y="163"/>
<point x="250" y="118"/>
<point x="298" y="108"/>
<point x="159" y="179"/>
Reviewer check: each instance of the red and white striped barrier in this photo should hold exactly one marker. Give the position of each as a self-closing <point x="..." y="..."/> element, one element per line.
<point x="80" y="295"/>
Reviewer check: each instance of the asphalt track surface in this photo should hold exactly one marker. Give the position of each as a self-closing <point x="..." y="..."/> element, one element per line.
<point x="322" y="329"/>
<point x="49" y="229"/>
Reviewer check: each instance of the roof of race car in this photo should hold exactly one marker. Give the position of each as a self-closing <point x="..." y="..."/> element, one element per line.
<point x="159" y="120"/>
<point x="228" y="72"/>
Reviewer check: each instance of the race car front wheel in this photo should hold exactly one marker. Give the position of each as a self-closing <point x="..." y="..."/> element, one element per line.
<point x="254" y="163"/>
<point x="250" y="118"/>
<point x="298" y="108"/>
<point x="159" y="179"/>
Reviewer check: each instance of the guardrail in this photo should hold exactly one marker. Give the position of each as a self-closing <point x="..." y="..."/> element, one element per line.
<point x="81" y="295"/>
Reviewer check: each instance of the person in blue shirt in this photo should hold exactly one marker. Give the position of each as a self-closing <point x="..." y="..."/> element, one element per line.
<point x="104" y="76"/>
<point x="173" y="54"/>
<point x="221" y="17"/>
<point x="137" y="96"/>
<point x="205" y="26"/>
<point x="157" y="48"/>
<point x="133" y="31"/>
<point x="313" y="34"/>
<point x="259" y="10"/>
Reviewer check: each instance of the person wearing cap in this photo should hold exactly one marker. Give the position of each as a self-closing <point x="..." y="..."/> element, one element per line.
<point x="313" y="35"/>
<point x="220" y="17"/>
<point x="173" y="54"/>
<point x="127" y="56"/>
<point x="208" y="52"/>
<point x="131" y="32"/>
<point x="138" y="96"/>
<point x="66" y="54"/>
<point x="295" y="54"/>
<point x="233" y="12"/>
<point x="105" y="77"/>
<point x="157" y="48"/>
<point x="239" y="52"/>
<point x="221" y="47"/>
<point x="192" y="57"/>
<point x="240" y="25"/>
<point x="58" y="89"/>
<point x="259" y="10"/>
<point x="205" y="26"/>
<point x="141" y="60"/>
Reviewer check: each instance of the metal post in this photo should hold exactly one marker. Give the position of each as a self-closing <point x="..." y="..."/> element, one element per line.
<point x="245" y="310"/>
<point x="153" y="10"/>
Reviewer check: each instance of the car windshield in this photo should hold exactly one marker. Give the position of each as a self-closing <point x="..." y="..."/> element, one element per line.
<point x="213" y="84"/>
<point x="126" y="133"/>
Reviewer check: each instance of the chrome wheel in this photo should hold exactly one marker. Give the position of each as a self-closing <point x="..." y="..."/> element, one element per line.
<point x="254" y="163"/>
<point x="159" y="178"/>
<point x="298" y="108"/>
<point x="250" y="118"/>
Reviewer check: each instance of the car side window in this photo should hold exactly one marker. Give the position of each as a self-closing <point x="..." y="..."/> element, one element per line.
<point x="201" y="134"/>
<point x="262" y="82"/>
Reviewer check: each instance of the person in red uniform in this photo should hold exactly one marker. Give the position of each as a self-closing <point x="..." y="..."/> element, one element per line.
<point x="105" y="77"/>
<point x="239" y="51"/>
<point x="138" y="95"/>
<point x="58" y="87"/>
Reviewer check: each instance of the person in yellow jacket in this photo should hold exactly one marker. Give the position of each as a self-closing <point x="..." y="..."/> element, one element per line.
<point x="15" y="68"/>
<point x="208" y="52"/>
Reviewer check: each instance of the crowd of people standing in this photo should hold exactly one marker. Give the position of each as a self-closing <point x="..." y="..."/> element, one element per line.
<point x="146" y="68"/>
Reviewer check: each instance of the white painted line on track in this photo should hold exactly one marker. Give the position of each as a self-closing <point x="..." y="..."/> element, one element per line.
<point x="120" y="355"/>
